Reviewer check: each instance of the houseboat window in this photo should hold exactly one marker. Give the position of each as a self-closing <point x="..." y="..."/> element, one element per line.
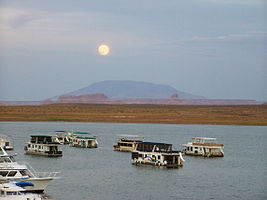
<point x="3" y="173"/>
<point x="23" y="173"/>
<point x="196" y="147"/>
<point x="12" y="173"/>
<point x="29" y="145"/>
<point x="191" y="148"/>
<point x="158" y="157"/>
<point x="187" y="148"/>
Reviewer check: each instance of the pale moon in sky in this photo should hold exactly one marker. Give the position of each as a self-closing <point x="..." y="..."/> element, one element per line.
<point x="103" y="50"/>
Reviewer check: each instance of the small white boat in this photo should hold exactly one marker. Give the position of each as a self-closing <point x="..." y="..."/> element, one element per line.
<point x="12" y="191"/>
<point x="5" y="143"/>
<point x="157" y="154"/>
<point x="127" y="142"/>
<point x="83" y="140"/>
<point x="62" y="137"/>
<point x="202" y="146"/>
<point x="12" y="171"/>
<point x="44" y="145"/>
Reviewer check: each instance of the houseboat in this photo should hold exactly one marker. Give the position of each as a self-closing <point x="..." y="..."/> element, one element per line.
<point x="127" y="143"/>
<point x="62" y="137"/>
<point x="5" y="143"/>
<point x="202" y="146"/>
<point x="157" y="154"/>
<point x="83" y="140"/>
<point x="43" y="145"/>
<point x="12" y="171"/>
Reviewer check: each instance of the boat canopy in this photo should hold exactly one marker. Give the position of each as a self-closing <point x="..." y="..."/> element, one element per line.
<point x="203" y="138"/>
<point x="24" y="184"/>
<point x="81" y="133"/>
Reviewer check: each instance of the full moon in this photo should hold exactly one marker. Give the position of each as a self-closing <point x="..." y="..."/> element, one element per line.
<point x="103" y="50"/>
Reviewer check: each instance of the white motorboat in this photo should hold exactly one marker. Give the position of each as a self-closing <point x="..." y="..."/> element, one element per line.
<point x="203" y="146"/>
<point x="157" y="154"/>
<point x="62" y="137"/>
<point x="127" y="142"/>
<point x="12" y="191"/>
<point x="13" y="171"/>
<point x="5" y="143"/>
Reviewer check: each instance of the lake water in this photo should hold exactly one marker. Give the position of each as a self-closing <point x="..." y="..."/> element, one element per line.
<point x="102" y="173"/>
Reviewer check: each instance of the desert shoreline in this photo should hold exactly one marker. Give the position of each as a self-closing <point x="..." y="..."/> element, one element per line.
<point x="245" y="115"/>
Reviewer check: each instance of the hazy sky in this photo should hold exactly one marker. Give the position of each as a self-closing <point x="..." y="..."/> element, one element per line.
<point x="213" y="48"/>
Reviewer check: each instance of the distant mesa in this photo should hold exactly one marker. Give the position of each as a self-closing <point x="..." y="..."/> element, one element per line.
<point x="117" y="89"/>
<point x="132" y="92"/>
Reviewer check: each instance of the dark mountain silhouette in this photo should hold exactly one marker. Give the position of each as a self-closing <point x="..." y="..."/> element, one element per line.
<point x="118" y="89"/>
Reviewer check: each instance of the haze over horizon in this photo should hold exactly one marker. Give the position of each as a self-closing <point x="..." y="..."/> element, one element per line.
<point x="213" y="48"/>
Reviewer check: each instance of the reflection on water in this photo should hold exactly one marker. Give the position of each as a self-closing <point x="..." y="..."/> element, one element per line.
<point x="105" y="174"/>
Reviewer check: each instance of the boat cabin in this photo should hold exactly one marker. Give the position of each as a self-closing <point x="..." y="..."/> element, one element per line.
<point x="62" y="137"/>
<point x="15" y="191"/>
<point x="5" y="143"/>
<point x="84" y="140"/>
<point x="157" y="154"/>
<point x="44" y="145"/>
<point x="203" y="146"/>
<point x="127" y="143"/>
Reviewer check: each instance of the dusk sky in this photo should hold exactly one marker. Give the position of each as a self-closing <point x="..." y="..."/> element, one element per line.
<point x="213" y="48"/>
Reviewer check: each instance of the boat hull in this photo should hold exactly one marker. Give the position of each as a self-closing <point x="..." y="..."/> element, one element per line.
<point x="43" y="154"/>
<point x="39" y="184"/>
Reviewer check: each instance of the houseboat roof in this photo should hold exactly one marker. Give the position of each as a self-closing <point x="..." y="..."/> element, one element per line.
<point x="41" y="136"/>
<point x="128" y="136"/>
<point x="90" y="138"/>
<point x="203" y="138"/>
<point x="81" y="133"/>
<point x="154" y="143"/>
<point x="61" y="131"/>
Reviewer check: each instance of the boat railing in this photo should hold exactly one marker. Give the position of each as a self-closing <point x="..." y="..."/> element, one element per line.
<point x="34" y="173"/>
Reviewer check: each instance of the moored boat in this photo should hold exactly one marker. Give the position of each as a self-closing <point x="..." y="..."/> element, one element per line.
<point x="13" y="171"/>
<point x="5" y="143"/>
<point x="157" y="154"/>
<point x="15" y="191"/>
<point x="43" y="145"/>
<point x="83" y="140"/>
<point x="203" y="146"/>
<point x="62" y="137"/>
<point x="127" y="143"/>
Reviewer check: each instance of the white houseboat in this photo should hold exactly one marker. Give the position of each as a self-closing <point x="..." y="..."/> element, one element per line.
<point x="62" y="137"/>
<point x="44" y="145"/>
<point x="12" y="171"/>
<point x="15" y="191"/>
<point x="127" y="142"/>
<point x="202" y="146"/>
<point x="5" y="143"/>
<point x="83" y="140"/>
<point x="157" y="154"/>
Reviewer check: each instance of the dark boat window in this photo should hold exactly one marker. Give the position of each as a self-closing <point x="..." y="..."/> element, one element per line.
<point x="12" y="173"/>
<point x="158" y="157"/>
<point x="3" y="173"/>
<point x="6" y="159"/>
<point x="23" y="173"/>
<point x="12" y="159"/>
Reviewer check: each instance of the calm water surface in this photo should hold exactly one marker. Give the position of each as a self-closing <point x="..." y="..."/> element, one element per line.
<point x="104" y="174"/>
